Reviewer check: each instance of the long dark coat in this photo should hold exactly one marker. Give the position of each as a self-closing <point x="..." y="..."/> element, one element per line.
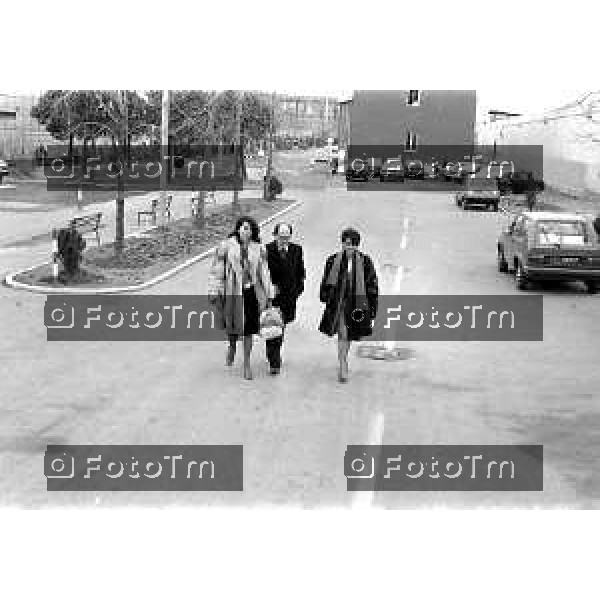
<point x="330" y="295"/>
<point x="288" y="274"/>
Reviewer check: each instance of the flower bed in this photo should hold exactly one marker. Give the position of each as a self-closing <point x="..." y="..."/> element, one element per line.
<point x="156" y="251"/>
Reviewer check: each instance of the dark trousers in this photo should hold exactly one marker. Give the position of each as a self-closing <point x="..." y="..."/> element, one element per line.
<point x="274" y="351"/>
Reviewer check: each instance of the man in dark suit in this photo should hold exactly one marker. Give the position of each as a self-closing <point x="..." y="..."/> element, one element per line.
<point x="286" y="264"/>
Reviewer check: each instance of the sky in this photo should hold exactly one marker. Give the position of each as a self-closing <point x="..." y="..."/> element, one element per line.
<point x="529" y="101"/>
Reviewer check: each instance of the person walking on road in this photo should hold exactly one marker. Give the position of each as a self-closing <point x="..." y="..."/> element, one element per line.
<point x="286" y="265"/>
<point x="349" y="290"/>
<point x="240" y="285"/>
<point x="531" y="192"/>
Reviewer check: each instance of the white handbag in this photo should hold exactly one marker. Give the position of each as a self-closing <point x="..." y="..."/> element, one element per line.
<point x="271" y="323"/>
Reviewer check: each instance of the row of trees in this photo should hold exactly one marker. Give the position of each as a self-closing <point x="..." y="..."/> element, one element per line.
<point x="196" y="117"/>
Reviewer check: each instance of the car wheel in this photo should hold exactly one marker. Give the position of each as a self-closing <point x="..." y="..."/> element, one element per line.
<point x="592" y="287"/>
<point x="382" y="179"/>
<point x="495" y="207"/>
<point x="502" y="264"/>
<point x="520" y="277"/>
<point x="464" y="205"/>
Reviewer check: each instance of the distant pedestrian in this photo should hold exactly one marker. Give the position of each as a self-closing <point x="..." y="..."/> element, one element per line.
<point x="286" y="266"/>
<point x="531" y="192"/>
<point x="240" y="286"/>
<point x="70" y="248"/>
<point x="350" y="292"/>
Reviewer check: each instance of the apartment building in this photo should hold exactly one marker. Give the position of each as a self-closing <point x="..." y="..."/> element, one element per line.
<point x="20" y="134"/>
<point x="414" y="120"/>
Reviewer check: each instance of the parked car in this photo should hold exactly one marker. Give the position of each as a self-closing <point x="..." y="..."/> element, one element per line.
<point x="479" y="192"/>
<point x="550" y="246"/>
<point x="458" y="171"/>
<point x="414" y="169"/>
<point x="392" y="169"/>
<point x="359" y="168"/>
<point x="519" y="182"/>
<point x="4" y="170"/>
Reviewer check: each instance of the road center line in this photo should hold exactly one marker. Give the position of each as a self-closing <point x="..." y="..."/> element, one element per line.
<point x="365" y="499"/>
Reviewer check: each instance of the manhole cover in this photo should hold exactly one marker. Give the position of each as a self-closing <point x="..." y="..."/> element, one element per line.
<point x="383" y="352"/>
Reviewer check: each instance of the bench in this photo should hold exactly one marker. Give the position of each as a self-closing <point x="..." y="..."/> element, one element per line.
<point x="154" y="209"/>
<point x="89" y="224"/>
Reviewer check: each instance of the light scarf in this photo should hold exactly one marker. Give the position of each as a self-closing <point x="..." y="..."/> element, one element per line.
<point x="334" y="274"/>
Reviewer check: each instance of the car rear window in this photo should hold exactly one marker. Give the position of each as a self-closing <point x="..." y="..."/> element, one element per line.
<point x="563" y="232"/>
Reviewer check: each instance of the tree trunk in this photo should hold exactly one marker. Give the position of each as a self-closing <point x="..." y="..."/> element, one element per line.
<point x="267" y="188"/>
<point x="238" y="166"/>
<point x="120" y="224"/>
<point x="120" y="213"/>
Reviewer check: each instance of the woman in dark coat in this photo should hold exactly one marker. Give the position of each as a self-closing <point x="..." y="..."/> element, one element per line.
<point x="350" y="291"/>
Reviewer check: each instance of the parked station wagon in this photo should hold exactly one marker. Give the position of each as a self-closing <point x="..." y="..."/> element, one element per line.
<point x="479" y="191"/>
<point x="551" y="246"/>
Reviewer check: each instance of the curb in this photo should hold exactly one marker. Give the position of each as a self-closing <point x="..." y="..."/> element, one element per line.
<point x="10" y="281"/>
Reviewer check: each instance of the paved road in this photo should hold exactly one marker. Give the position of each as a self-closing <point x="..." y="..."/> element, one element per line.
<point x="295" y="428"/>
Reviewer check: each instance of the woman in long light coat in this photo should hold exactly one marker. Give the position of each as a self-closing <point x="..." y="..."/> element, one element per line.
<point x="242" y="277"/>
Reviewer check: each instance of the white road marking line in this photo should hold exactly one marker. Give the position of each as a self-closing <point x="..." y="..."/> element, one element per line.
<point x="389" y="344"/>
<point x="398" y="279"/>
<point x="403" y="242"/>
<point x="365" y="499"/>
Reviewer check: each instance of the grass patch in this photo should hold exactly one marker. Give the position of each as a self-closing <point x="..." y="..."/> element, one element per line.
<point x="157" y="251"/>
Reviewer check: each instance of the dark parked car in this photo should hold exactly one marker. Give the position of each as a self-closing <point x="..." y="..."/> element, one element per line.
<point x="479" y="192"/>
<point x="550" y="246"/>
<point x="4" y="170"/>
<point x="458" y="171"/>
<point x="519" y="182"/>
<point x="414" y="169"/>
<point x="392" y="170"/>
<point x="359" y="168"/>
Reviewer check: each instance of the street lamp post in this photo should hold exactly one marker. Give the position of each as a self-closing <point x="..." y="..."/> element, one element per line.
<point x="238" y="152"/>
<point x="267" y="187"/>
<point x="164" y="142"/>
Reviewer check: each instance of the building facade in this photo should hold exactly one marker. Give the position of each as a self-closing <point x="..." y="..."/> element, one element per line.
<point x="413" y="119"/>
<point x="569" y="137"/>
<point x="306" y="117"/>
<point x="20" y="134"/>
<point x="303" y="118"/>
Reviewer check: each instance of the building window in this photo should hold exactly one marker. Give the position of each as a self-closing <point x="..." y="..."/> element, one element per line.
<point x="411" y="142"/>
<point x="414" y="98"/>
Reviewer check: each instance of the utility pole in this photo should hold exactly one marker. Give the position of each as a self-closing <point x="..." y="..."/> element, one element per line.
<point x="267" y="188"/>
<point x="164" y="148"/>
<point x="122" y="132"/>
<point x="237" y="150"/>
